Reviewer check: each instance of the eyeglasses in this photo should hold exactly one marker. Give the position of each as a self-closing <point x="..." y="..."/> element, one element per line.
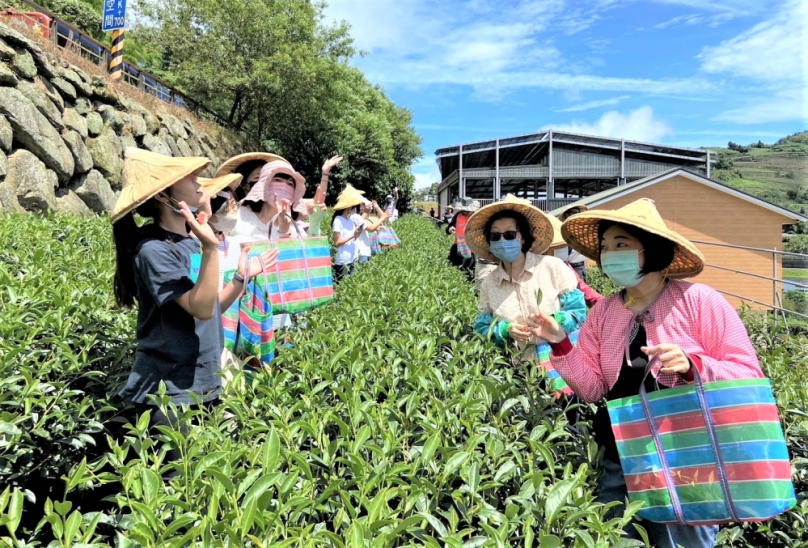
<point x="508" y="235"/>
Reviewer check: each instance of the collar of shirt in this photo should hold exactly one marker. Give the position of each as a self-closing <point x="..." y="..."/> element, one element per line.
<point x="531" y="260"/>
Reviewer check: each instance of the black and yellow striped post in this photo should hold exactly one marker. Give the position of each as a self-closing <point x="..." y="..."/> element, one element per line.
<point x="116" y="55"/>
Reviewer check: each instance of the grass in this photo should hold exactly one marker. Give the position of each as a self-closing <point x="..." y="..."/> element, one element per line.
<point x="796" y="273"/>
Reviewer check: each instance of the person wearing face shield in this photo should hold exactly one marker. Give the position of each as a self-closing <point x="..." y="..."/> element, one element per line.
<point x="513" y="234"/>
<point x="653" y="333"/>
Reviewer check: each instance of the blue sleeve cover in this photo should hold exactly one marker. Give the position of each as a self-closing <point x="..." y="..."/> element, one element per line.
<point x="573" y="310"/>
<point x="498" y="334"/>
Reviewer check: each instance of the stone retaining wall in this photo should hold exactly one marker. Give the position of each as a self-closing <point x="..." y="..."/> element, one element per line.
<point x="63" y="133"/>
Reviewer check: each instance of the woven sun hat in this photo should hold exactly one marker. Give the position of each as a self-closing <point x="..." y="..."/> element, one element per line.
<point x="558" y="239"/>
<point x="581" y="231"/>
<point x="232" y="164"/>
<point x="217" y="184"/>
<point x="348" y="198"/>
<point x="467" y="204"/>
<point x="146" y="174"/>
<point x="260" y="190"/>
<point x="540" y="226"/>
<point x="578" y="205"/>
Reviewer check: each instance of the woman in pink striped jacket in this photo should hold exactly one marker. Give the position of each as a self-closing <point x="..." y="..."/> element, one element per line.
<point x="685" y="325"/>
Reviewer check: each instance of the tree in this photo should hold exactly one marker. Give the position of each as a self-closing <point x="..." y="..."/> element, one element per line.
<point x="797" y="244"/>
<point x="273" y="69"/>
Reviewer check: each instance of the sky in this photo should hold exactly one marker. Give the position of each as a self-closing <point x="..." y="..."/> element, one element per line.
<point x="678" y="72"/>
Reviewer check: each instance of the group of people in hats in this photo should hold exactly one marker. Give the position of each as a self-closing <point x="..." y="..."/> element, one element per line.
<point x="655" y="332"/>
<point x="171" y="264"/>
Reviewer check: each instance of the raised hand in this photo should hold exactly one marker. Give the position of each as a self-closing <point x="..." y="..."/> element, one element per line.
<point x="200" y="227"/>
<point x="546" y="327"/>
<point x="331" y="163"/>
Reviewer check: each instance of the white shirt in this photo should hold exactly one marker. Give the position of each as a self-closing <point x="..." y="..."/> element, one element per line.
<point x="346" y="253"/>
<point x="363" y="243"/>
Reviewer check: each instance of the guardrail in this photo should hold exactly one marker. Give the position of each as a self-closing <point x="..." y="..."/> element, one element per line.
<point x="777" y="300"/>
<point x="64" y="35"/>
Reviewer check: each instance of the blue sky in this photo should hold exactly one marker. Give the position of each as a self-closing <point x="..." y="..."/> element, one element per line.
<point x="680" y="72"/>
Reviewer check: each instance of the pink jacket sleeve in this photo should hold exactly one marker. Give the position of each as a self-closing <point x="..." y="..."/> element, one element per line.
<point x="580" y="367"/>
<point x="728" y="352"/>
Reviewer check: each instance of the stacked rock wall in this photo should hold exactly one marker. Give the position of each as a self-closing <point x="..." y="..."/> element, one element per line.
<point x="63" y="133"/>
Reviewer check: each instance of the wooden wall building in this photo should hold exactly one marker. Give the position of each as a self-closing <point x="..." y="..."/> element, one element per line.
<point x="708" y="212"/>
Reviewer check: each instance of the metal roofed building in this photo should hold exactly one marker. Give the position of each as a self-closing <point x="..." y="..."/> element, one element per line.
<point x="554" y="168"/>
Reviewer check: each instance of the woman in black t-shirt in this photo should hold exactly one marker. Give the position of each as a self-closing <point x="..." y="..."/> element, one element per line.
<point x="173" y="277"/>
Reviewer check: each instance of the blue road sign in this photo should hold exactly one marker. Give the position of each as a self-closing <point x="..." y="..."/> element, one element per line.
<point x="114" y="15"/>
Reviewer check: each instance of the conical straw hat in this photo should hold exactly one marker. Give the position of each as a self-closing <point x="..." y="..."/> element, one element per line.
<point x="348" y="198"/>
<point x="217" y="184"/>
<point x="558" y="239"/>
<point x="539" y="223"/>
<point x="581" y="231"/>
<point x="577" y="205"/>
<point x="232" y="164"/>
<point x="145" y="174"/>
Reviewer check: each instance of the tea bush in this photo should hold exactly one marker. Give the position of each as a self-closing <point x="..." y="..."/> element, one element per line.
<point x="387" y="423"/>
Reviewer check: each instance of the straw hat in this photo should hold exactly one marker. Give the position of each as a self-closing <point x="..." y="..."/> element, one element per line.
<point x="558" y="239"/>
<point x="233" y="163"/>
<point x="145" y="174"/>
<point x="540" y="226"/>
<point x="581" y="231"/>
<point x="259" y="191"/>
<point x="577" y="205"/>
<point x="217" y="184"/>
<point x="348" y="198"/>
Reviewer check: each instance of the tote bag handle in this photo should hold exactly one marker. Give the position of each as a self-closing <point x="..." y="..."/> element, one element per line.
<point x="278" y="264"/>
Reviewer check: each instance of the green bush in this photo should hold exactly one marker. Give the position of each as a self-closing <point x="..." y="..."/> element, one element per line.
<point x="599" y="282"/>
<point x="387" y="423"/>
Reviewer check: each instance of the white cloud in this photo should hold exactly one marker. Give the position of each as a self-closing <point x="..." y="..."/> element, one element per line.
<point x="637" y="125"/>
<point x="782" y="106"/>
<point x="480" y="44"/>
<point x="771" y="52"/>
<point x="426" y="172"/>
<point x="595" y="104"/>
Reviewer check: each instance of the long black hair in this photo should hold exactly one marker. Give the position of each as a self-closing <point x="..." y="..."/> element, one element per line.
<point x="244" y="170"/>
<point x="127" y="237"/>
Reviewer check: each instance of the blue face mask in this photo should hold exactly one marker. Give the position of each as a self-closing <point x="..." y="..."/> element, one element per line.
<point x="622" y="267"/>
<point x="506" y="251"/>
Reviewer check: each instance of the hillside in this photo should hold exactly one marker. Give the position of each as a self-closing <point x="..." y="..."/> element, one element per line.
<point x="775" y="172"/>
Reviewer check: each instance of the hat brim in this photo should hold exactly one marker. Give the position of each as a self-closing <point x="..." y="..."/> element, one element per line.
<point x="581" y="232"/>
<point x="128" y="201"/>
<point x="540" y="227"/>
<point x="217" y="184"/>
<point x="232" y="164"/>
<point x="345" y="202"/>
<point x="580" y="206"/>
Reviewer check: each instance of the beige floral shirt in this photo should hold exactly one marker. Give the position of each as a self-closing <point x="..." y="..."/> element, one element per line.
<point x="515" y="300"/>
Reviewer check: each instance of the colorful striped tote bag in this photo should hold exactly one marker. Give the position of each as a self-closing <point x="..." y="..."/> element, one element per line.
<point x="247" y="323"/>
<point x="708" y="453"/>
<point x="302" y="278"/>
<point x="554" y="381"/>
<point x="463" y="248"/>
<point x="387" y="237"/>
